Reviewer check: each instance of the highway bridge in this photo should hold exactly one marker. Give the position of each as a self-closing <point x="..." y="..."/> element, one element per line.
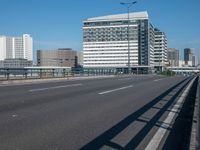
<point x="128" y="112"/>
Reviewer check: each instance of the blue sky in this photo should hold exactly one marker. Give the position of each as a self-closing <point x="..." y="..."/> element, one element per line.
<point x="58" y="23"/>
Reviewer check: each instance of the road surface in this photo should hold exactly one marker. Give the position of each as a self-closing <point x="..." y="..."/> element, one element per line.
<point x="114" y="113"/>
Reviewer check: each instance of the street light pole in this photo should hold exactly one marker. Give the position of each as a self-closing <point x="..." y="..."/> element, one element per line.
<point x="159" y="63"/>
<point x="128" y="6"/>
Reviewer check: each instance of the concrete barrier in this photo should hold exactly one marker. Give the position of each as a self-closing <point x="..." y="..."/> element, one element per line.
<point x="195" y="133"/>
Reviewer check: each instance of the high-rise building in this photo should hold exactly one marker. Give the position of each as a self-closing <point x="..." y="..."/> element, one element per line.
<point x="105" y="41"/>
<point x="160" y="49"/>
<point x="63" y="57"/>
<point x="173" y="57"/>
<point x="188" y="53"/>
<point x="16" y="47"/>
<point x="190" y="57"/>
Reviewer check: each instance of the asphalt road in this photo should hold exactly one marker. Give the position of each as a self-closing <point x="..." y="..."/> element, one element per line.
<point x="115" y="113"/>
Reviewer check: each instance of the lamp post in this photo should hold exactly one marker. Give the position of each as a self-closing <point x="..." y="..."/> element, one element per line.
<point x="128" y="6"/>
<point x="159" y="70"/>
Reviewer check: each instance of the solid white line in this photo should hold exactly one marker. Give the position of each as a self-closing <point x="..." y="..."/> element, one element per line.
<point x="155" y="141"/>
<point x="124" y="79"/>
<point x="55" y="87"/>
<point x="114" y="90"/>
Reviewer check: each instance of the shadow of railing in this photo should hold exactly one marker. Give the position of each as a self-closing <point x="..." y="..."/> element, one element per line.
<point x="105" y="138"/>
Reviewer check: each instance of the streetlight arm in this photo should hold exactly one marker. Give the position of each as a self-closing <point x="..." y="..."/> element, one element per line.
<point x="128" y="5"/>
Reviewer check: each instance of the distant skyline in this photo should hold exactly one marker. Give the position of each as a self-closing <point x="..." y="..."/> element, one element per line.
<point x="58" y="23"/>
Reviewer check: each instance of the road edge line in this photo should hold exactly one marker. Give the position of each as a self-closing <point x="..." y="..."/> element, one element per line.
<point x="158" y="136"/>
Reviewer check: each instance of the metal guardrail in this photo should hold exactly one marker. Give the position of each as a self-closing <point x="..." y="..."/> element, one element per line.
<point x="63" y="72"/>
<point x="20" y="73"/>
<point x="38" y="73"/>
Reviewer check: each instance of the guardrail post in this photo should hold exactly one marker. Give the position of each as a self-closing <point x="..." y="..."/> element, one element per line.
<point x="7" y="74"/>
<point x="26" y="73"/>
<point x="53" y="72"/>
<point x="31" y="73"/>
<point x="67" y="74"/>
<point x="63" y="72"/>
<point x="40" y="73"/>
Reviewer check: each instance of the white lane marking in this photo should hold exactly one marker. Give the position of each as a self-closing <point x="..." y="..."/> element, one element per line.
<point x="14" y="115"/>
<point x="55" y="87"/>
<point x="114" y="90"/>
<point x="124" y="79"/>
<point x="158" y="80"/>
<point x="158" y="136"/>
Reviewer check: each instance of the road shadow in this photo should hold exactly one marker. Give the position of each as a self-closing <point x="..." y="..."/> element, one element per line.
<point x="105" y="138"/>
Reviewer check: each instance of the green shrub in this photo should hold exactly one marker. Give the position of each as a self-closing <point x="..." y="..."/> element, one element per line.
<point x="167" y="73"/>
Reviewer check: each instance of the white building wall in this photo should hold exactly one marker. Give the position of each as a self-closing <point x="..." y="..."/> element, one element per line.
<point x="16" y="47"/>
<point x="196" y="61"/>
<point x="106" y="42"/>
<point x="109" y="54"/>
<point x="10" y="53"/>
<point x="28" y="47"/>
<point x="160" y="48"/>
<point x="189" y="64"/>
<point x="2" y="47"/>
<point x="181" y="63"/>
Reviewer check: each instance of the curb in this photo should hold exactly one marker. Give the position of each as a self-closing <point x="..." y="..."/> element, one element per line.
<point x="35" y="81"/>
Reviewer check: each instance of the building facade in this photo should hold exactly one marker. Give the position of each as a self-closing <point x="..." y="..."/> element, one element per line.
<point x="160" y="49"/>
<point x="173" y="57"/>
<point x="16" y="47"/>
<point x="15" y="63"/>
<point x="190" y="57"/>
<point x="105" y="41"/>
<point x="194" y="61"/>
<point x="64" y="57"/>
<point x="80" y="58"/>
<point x="188" y="53"/>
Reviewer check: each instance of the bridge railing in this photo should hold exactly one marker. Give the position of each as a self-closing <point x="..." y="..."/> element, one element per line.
<point x="63" y="72"/>
<point x="27" y="73"/>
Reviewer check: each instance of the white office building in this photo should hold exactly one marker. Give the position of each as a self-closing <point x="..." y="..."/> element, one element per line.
<point x="105" y="41"/>
<point x="16" y="47"/>
<point x="160" y="49"/>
